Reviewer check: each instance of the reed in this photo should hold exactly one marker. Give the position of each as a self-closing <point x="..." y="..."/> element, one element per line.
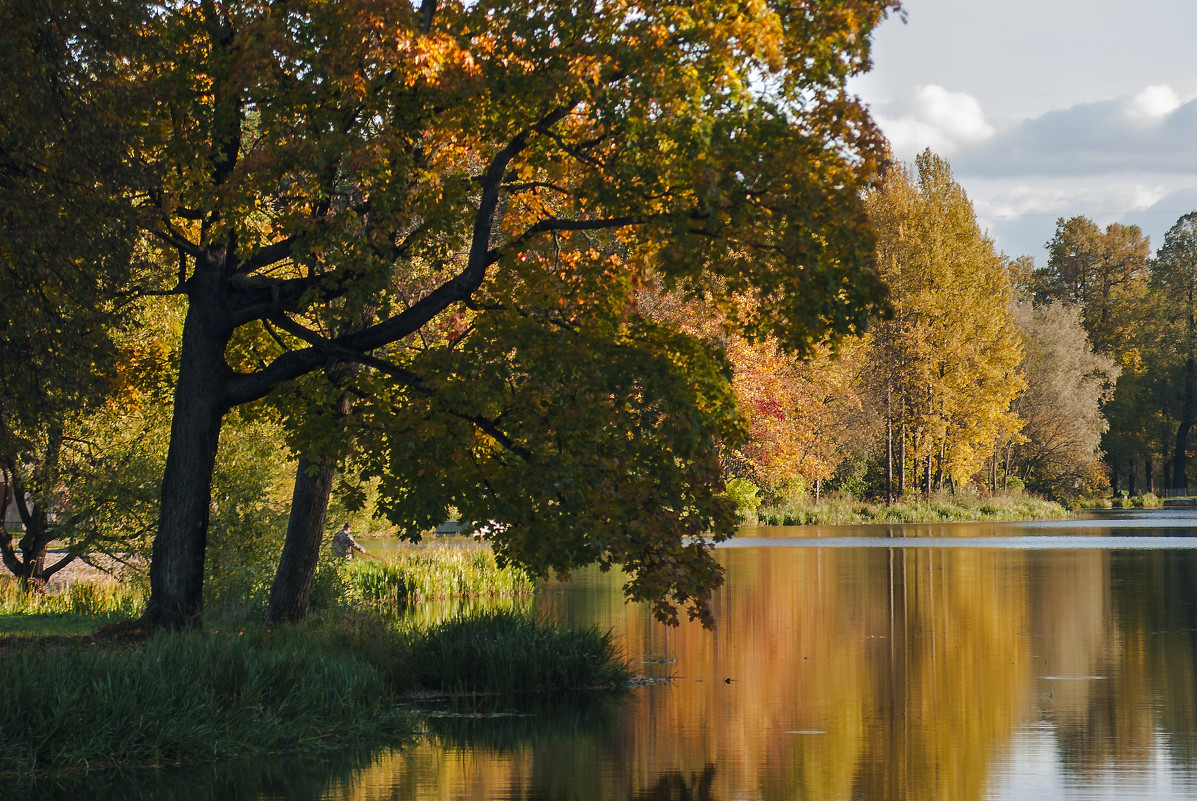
<point x="105" y="597"/>
<point x="414" y="573"/>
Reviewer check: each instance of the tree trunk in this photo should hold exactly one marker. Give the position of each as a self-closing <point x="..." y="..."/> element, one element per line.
<point x="889" y="452"/>
<point x="1149" y="469"/>
<point x="1133" y="474"/>
<point x="902" y="463"/>
<point x="1180" y="479"/>
<point x="29" y="567"/>
<point x="939" y="465"/>
<point x="292" y="588"/>
<point x="177" y="563"/>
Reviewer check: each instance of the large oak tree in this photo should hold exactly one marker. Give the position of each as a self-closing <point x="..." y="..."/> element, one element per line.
<point x="462" y="199"/>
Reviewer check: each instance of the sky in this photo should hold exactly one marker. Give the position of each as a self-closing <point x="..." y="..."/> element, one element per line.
<point x="1046" y="108"/>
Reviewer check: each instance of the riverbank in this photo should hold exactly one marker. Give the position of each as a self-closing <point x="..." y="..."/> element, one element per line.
<point x="80" y="694"/>
<point x="939" y="508"/>
<point x="70" y="704"/>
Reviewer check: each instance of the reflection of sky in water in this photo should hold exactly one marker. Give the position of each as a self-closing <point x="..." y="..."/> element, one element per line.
<point x="1036" y="543"/>
<point x="1155" y="529"/>
<point x="1033" y="772"/>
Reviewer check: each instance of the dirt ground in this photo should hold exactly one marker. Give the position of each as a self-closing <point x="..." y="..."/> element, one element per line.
<point x="79" y="570"/>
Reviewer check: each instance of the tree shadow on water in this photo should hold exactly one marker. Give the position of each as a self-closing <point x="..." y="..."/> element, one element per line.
<point x="675" y="786"/>
<point x="504" y="723"/>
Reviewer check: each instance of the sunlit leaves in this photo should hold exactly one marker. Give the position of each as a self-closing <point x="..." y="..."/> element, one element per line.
<point x="950" y="355"/>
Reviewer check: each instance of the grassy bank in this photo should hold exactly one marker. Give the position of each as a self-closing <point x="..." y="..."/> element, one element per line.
<point x="938" y="509"/>
<point x="73" y="700"/>
<point x="70" y="704"/>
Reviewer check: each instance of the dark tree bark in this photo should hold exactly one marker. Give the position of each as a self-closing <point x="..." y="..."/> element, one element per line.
<point x="177" y="563"/>
<point x="29" y="566"/>
<point x="292" y="588"/>
<point x="1180" y="478"/>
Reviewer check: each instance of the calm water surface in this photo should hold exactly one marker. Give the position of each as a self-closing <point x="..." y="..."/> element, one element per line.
<point x="955" y="662"/>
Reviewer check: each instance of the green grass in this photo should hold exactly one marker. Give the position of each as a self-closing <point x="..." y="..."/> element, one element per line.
<point x="185" y="697"/>
<point x="436" y="571"/>
<point x="509" y="652"/>
<point x="939" y="508"/>
<point x="70" y="702"/>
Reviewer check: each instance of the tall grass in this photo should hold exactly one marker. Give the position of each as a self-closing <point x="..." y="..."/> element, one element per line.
<point x="416" y="573"/>
<point x="185" y="697"/>
<point x="938" y="508"/>
<point x="77" y="703"/>
<point x="102" y="597"/>
<point x="509" y="652"/>
<point x="190" y="697"/>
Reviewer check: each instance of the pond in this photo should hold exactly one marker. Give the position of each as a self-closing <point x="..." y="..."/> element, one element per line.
<point x="998" y="661"/>
<point x="949" y="662"/>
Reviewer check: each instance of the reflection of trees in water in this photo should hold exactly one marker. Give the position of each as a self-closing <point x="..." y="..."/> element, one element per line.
<point x="1130" y="619"/>
<point x="509" y="723"/>
<point x="1156" y="604"/>
<point x="675" y="786"/>
<point x="947" y="663"/>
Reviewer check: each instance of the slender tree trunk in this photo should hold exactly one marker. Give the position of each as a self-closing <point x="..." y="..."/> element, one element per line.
<point x="1180" y="477"/>
<point x="1149" y="468"/>
<point x="1134" y="470"/>
<point x="889" y="451"/>
<point x="902" y="463"/>
<point x="939" y="465"/>
<point x="177" y="564"/>
<point x="928" y="476"/>
<point x="292" y="588"/>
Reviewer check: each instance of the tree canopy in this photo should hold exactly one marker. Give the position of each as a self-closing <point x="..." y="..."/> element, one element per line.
<point x="481" y="190"/>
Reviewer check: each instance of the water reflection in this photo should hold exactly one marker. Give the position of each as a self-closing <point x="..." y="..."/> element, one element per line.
<point x="952" y="662"/>
<point x="877" y="672"/>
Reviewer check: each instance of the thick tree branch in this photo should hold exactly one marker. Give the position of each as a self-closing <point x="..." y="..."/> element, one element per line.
<point x="248" y="387"/>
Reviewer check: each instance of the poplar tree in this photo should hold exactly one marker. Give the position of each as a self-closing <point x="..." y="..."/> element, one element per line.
<point x="949" y="357"/>
<point x="1102" y="271"/>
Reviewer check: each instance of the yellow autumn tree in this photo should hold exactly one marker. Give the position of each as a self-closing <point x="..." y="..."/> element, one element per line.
<point x="947" y="361"/>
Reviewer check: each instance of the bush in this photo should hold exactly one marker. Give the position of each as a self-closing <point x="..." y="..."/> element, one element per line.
<point x="743" y="493"/>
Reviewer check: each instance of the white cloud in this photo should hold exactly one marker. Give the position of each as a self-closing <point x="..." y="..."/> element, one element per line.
<point x="938" y="119"/>
<point x="1153" y="103"/>
<point x="1151" y="131"/>
<point x="1021" y="213"/>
